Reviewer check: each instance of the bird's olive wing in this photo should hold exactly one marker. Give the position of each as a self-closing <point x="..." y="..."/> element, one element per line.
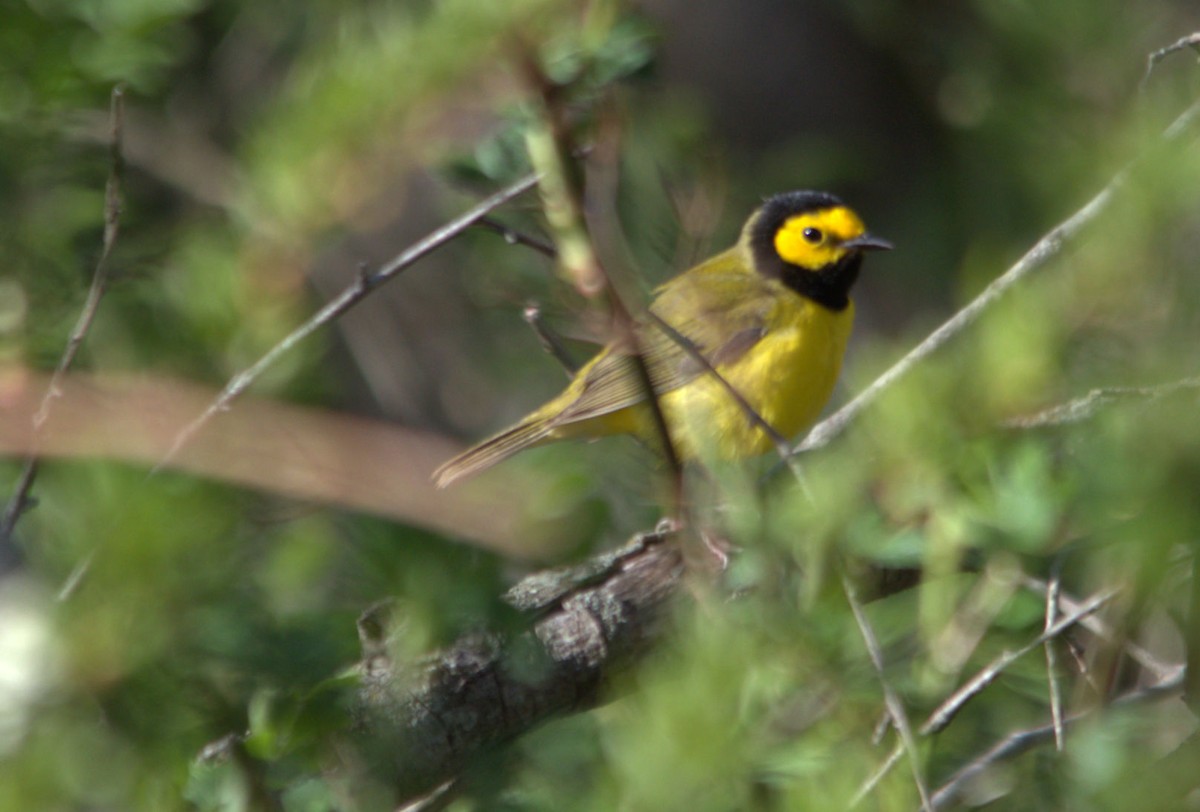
<point x="723" y="318"/>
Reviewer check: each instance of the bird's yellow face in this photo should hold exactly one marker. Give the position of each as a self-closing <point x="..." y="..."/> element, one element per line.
<point x="816" y="239"/>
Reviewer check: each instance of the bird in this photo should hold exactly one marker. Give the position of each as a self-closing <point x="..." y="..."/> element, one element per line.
<point x="770" y="316"/>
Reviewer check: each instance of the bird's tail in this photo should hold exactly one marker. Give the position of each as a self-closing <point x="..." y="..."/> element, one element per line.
<point x="492" y="450"/>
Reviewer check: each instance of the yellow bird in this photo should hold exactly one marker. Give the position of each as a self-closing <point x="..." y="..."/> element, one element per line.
<point x="771" y="316"/>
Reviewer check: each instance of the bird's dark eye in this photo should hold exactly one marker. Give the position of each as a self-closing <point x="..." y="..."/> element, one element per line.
<point x="813" y="235"/>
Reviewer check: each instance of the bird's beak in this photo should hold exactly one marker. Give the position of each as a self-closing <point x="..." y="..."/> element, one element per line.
<point x="867" y="242"/>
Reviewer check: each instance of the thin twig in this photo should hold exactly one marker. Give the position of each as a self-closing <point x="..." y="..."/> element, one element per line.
<point x="880" y="773"/>
<point x="1022" y="740"/>
<point x="532" y="313"/>
<point x="894" y="705"/>
<point x="362" y="286"/>
<point x="1088" y="406"/>
<point x="20" y="499"/>
<point x="945" y="713"/>
<point x="550" y="340"/>
<point x="627" y="335"/>
<point x="440" y="798"/>
<point x="1046" y="249"/>
<point x="514" y="237"/>
<point x="1190" y="41"/>
<point x="1098" y="627"/>
<point x="1053" y="588"/>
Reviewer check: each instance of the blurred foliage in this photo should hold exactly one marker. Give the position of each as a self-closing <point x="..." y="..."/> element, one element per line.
<point x="267" y="141"/>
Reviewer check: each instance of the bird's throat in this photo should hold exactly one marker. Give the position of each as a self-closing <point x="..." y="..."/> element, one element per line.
<point x="830" y="286"/>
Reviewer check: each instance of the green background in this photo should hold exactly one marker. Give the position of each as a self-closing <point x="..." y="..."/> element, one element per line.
<point x="272" y="147"/>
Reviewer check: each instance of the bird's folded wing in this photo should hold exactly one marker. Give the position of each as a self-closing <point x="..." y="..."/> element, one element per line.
<point x="723" y="319"/>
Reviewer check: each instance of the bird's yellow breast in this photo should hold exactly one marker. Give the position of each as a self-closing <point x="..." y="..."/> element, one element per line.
<point x="787" y="378"/>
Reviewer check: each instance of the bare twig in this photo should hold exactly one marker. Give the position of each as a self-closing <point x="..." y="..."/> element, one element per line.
<point x="1047" y="248"/>
<point x="1190" y="41"/>
<point x="891" y="698"/>
<point x="944" y="713"/>
<point x="514" y="237"/>
<point x="532" y="313"/>
<point x="1052" y="592"/>
<point x="950" y="708"/>
<point x="549" y="339"/>
<point x="1098" y="627"/>
<point x="881" y="771"/>
<point x="440" y="798"/>
<point x="1088" y="406"/>
<point x="362" y="286"/>
<point x="20" y="500"/>
<point x="1022" y="740"/>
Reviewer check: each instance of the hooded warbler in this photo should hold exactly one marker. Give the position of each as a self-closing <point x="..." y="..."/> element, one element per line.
<point x="771" y="315"/>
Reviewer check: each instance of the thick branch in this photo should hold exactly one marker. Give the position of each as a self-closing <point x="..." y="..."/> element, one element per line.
<point x="432" y="717"/>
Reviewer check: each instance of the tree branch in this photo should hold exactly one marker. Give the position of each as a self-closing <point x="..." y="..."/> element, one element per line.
<point x="20" y="500"/>
<point x="1190" y="41"/>
<point x="363" y="285"/>
<point x="431" y="718"/>
<point x="1016" y="743"/>
<point x="1088" y="406"/>
<point x="1044" y="250"/>
<point x="895" y="707"/>
<point x="950" y="707"/>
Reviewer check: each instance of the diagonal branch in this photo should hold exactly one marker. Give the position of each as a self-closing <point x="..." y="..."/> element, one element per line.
<point x="549" y="339"/>
<point x="551" y="150"/>
<point x="950" y="708"/>
<point x="363" y="285"/>
<point x="1053" y="589"/>
<point x="1044" y="250"/>
<point x="20" y="500"/>
<point x="1089" y="405"/>
<point x="1022" y="740"/>
<point x="429" y="719"/>
<point x="891" y="698"/>
<point x="945" y="713"/>
<point x="1190" y="41"/>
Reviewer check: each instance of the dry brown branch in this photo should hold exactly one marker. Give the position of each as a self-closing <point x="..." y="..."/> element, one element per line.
<point x="514" y="237"/>
<point x="316" y="455"/>
<point x="549" y="340"/>
<point x="1098" y="627"/>
<point x="950" y="708"/>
